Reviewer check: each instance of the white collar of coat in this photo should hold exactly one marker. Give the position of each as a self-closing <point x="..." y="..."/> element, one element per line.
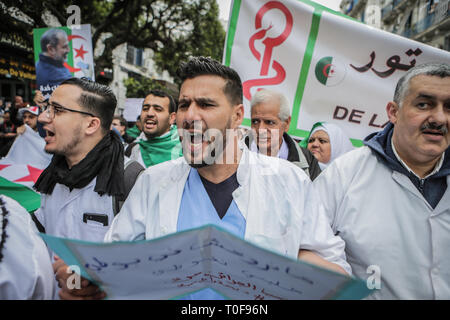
<point x="437" y="167"/>
<point x="182" y="168"/>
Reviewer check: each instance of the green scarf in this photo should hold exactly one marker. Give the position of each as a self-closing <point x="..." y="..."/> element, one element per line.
<point x="304" y="142"/>
<point x="160" y="149"/>
<point x="133" y="132"/>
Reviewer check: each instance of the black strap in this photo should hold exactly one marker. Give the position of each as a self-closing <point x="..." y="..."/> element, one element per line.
<point x="38" y="224"/>
<point x="129" y="149"/>
<point x="132" y="171"/>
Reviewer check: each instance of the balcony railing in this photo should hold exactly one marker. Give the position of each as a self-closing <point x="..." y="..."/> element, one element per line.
<point x="440" y="13"/>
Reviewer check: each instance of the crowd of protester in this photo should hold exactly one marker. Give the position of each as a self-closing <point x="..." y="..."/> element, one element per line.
<point x="323" y="200"/>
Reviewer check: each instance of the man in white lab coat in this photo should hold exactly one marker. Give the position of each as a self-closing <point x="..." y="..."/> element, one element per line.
<point x="87" y="168"/>
<point x="265" y="200"/>
<point x="25" y="266"/>
<point x="390" y="199"/>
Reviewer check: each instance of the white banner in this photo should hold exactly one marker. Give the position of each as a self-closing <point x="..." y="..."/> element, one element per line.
<point x="26" y="159"/>
<point x="133" y="107"/>
<point x="206" y="257"/>
<point x="330" y="67"/>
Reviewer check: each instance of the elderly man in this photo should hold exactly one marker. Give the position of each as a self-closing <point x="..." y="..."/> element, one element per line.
<point x="390" y="199"/>
<point x="270" y="120"/>
<point x="218" y="181"/>
<point x="159" y="139"/>
<point x="50" y="69"/>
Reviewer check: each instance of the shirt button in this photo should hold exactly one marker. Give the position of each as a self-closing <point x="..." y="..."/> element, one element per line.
<point x="435" y="271"/>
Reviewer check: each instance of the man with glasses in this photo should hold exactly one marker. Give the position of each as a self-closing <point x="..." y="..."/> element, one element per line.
<point x="87" y="167"/>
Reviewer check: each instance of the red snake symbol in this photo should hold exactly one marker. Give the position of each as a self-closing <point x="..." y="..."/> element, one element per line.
<point x="269" y="43"/>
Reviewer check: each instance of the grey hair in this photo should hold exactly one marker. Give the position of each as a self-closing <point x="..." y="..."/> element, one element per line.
<point x="437" y="69"/>
<point x="265" y="95"/>
<point x="51" y="37"/>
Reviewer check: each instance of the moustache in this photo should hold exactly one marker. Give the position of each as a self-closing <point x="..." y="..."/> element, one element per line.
<point x="432" y="126"/>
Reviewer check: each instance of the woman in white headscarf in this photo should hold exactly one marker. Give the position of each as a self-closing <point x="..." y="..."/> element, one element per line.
<point x="327" y="142"/>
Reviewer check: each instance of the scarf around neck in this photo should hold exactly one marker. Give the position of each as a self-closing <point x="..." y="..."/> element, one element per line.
<point x="104" y="162"/>
<point x="161" y="149"/>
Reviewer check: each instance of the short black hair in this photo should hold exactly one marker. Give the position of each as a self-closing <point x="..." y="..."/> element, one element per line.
<point x="97" y="99"/>
<point x="51" y="37"/>
<point x="122" y="121"/>
<point x="163" y="94"/>
<point x="198" y="66"/>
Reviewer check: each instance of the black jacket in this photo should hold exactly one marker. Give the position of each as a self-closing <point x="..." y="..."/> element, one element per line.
<point x="313" y="169"/>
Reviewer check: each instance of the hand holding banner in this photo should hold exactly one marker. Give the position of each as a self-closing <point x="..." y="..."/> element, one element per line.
<point x="189" y="261"/>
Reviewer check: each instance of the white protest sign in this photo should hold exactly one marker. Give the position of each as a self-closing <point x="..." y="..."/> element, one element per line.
<point x="132" y="108"/>
<point x="188" y="261"/>
<point x="330" y="67"/>
<point x="74" y="58"/>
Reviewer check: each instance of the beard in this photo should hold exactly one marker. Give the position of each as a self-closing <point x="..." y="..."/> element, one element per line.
<point x="70" y="146"/>
<point x="212" y="152"/>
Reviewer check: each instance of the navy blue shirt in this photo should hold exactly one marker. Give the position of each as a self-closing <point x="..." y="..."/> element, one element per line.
<point x="49" y="74"/>
<point x="221" y="193"/>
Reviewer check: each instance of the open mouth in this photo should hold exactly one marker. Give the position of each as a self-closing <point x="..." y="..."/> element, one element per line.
<point x="195" y="138"/>
<point x="49" y="136"/>
<point x="150" y="124"/>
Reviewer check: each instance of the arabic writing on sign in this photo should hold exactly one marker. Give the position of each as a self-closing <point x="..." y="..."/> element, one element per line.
<point x="253" y="277"/>
<point x="227" y="281"/>
<point x="392" y="62"/>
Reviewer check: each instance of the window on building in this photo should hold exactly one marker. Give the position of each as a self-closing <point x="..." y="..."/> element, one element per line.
<point x="135" y="55"/>
<point x="138" y="57"/>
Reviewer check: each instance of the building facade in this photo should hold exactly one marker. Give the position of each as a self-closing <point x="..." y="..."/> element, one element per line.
<point x="426" y="21"/>
<point x="131" y="62"/>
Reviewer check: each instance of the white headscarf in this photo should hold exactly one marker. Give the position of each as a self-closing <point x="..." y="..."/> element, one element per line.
<point x="339" y="141"/>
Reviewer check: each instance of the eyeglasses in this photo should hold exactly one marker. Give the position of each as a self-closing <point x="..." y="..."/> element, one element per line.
<point x="52" y="109"/>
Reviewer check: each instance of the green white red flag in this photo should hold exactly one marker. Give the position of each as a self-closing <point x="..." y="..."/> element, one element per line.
<point x="330" y="67"/>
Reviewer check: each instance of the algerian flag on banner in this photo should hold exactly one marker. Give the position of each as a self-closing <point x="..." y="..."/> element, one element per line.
<point x="330" y="67"/>
<point x="21" y="168"/>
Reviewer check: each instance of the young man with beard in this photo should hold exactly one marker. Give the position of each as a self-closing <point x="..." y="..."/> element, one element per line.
<point x="87" y="168"/>
<point x="159" y="140"/>
<point x="390" y="200"/>
<point x="219" y="181"/>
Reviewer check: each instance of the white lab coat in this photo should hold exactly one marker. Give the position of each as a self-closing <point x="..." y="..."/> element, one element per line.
<point x="25" y="271"/>
<point x="389" y="228"/>
<point x="61" y="213"/>
<point x="275" y="197"/>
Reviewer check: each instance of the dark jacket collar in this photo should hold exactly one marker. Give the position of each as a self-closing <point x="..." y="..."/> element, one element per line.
<point x="380" y="143"/>
<point x="46" y="59"/>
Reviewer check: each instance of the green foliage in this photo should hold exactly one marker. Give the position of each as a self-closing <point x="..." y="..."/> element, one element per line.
<point x="173" y="29"/>
<point x="139" y="88"/>
<point x="206" y="38"/>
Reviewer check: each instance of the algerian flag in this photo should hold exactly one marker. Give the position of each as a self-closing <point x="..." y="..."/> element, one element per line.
<point x="329" y="71"/>
<point x="329" y="67"/>
<point x="21" y="168"/>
